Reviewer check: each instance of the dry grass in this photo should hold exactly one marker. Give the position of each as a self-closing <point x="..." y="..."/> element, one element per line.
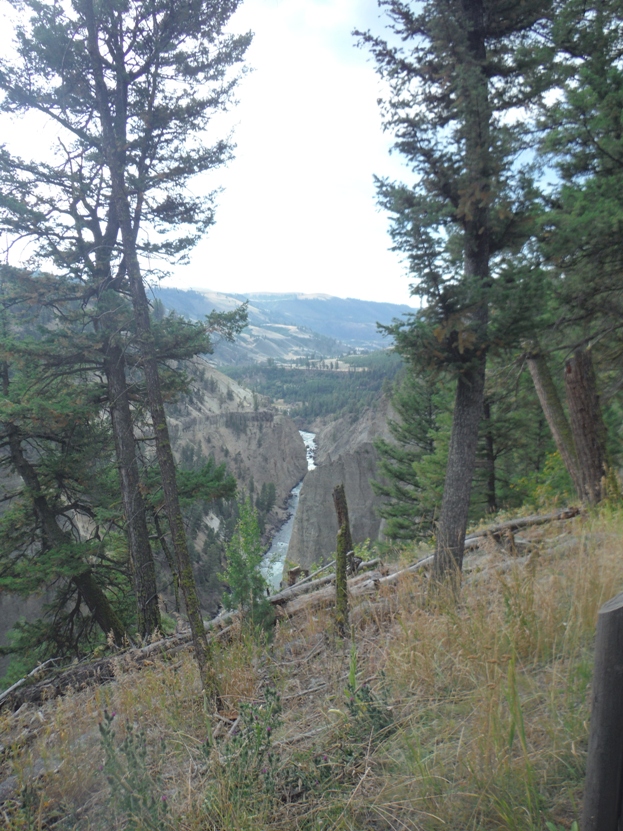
<point x="475" y="716"/>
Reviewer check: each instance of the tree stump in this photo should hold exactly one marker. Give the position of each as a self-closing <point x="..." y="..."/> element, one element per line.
<point x="344" y="547"/>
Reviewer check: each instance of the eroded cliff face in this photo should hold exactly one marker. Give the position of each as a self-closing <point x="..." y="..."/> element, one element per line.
<point x="343" y="435"/>
<point x="315" y="524"/>
<point x="260" y="446"/>
<point x="345" y="454"/>
<point x="235" y="426"/>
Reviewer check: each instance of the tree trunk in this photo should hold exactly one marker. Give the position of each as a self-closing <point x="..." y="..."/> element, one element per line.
<point x="141" y="556"/>
<point x="474" y="93"/>
<point x="459" y="474"/>
<point x="114" y="137"/>
<point x="492" y="504"/>
<point x="344" y="547"/>
<point x="587" y="425"/>
<point x="555" y="415"/>
<point x="99" y="606"/>
<point x="166" y="463"/>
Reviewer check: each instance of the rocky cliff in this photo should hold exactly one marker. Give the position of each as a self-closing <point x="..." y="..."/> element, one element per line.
<point x="222" y="419"/>
<point x="315" y="525"/>
<point x="345" y="454"/>
<point x="343" y="435"/>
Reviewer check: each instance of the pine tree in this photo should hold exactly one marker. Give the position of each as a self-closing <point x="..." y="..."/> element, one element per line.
<point x="133" y="88"/>
<point x="461" y="68"/>
<point x="582" y="140"/>
<point x="412" y="465"/>
<point x="55" y="529"/>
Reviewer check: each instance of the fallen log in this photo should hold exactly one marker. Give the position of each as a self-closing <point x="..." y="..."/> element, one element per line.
<point x="305" y="587"/>
<point x="300" y="588"/>
<point x="357" y="587"/>
<point x="473" y="540"/>
<point x="102" y="671"/>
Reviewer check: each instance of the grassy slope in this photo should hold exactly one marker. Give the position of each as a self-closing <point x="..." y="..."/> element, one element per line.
<point x="464" y="718"/>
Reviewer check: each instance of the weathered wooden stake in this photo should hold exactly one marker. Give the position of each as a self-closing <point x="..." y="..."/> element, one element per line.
<point x="344" y="547"/>
<point x="603" y="789"/>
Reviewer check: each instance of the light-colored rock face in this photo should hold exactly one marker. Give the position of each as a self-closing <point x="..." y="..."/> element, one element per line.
<point x="343" y="435"/>
<point x="315" y="526"/>
<point x="345" y="455"/>
<point x="235" y="426"/>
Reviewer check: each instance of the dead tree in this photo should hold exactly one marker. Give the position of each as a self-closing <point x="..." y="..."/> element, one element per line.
<point x="344" y="548"/>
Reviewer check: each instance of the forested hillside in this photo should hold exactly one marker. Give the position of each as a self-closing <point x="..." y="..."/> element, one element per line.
<point x="328" y="326"/>
<point x="323" y="389"/>
<point x="425" y="680"/>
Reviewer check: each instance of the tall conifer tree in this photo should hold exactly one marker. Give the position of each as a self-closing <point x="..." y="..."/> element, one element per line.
<point x="459" y="71"/>
<point x="133" y="87"/>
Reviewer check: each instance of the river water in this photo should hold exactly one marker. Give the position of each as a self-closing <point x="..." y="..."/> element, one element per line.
<point x="275" y="557"/>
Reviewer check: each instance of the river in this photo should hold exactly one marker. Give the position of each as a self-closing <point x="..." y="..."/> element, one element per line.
<point x="275" y="557"/>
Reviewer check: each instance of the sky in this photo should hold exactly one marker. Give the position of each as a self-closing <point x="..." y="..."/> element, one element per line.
<point x="298" y="210"/>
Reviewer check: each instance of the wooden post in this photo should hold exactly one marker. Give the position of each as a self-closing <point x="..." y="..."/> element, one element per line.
<point x="603" y="789"/>
<point x="344" y="546"/>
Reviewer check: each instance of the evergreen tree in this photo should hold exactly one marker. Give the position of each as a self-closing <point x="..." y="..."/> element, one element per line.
<point x="582" y="140"/>
<point x="55" y="529"/>
<point x="412" y="465"/>
<point x="460" y="70"/>
<point x="243" y="575"/>
<point x="133" y="88"/>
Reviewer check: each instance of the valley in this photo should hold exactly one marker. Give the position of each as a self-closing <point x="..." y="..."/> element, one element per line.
<point x="259" y="419"/>
<point x="440" y="483"/>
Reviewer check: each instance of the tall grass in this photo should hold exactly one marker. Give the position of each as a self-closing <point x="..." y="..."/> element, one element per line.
<point x="445" y="716"/>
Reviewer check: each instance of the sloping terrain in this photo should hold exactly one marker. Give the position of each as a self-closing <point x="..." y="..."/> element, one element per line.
<point x="285" y="327"/>
<point x="261" y="447"/>
<point x="433" y="715"/>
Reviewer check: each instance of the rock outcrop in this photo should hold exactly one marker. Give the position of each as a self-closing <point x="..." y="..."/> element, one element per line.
<point x="222" y="419"/>
<point x="345" y="454"/>
<point x="315" y="525"/>
<point x="345" y="435"/>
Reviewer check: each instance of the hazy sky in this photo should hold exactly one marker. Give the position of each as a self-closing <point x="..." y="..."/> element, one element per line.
<point x="298" y="211"/>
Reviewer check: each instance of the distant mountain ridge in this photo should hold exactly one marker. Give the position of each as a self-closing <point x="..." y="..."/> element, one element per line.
<point x="291" y="325"/>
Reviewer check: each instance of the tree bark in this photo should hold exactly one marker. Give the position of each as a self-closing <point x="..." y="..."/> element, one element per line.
<point x="587" y="425"/>
<point x="554" y="414"/>
<point x="141" y="556"/>
<point x="492" y="504"/>
<point x="344" y="547"/>
<point x="113" y="145"/>
<point x="459" y="474"/>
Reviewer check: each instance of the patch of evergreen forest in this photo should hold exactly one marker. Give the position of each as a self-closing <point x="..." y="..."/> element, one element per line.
<point x="318" y="389"/>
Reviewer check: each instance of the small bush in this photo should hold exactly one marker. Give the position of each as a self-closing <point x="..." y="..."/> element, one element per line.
<point x="248" y="586"/>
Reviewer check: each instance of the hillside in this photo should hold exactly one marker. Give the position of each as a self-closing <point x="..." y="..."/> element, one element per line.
<point x="430" y="717"/>
<point x="285" y="327"/>
<point x="261" y="447"/>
